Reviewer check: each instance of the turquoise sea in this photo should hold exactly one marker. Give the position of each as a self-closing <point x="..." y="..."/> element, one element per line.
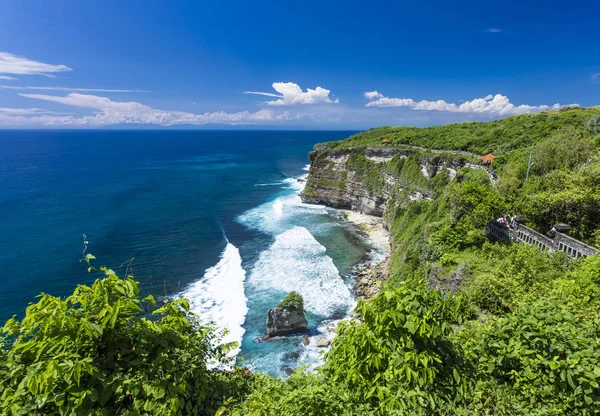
<point x="211" y="215"/>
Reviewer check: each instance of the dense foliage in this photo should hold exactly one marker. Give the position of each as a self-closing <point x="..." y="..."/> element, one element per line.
<point x="499" y="136"/>
<point x="100" y="351"/>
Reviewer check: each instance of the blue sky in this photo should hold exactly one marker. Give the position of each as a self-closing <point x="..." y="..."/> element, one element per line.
<point x="325" y="64"/>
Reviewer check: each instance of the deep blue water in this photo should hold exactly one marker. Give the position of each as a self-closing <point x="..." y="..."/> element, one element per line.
<point x="173" y="200"/>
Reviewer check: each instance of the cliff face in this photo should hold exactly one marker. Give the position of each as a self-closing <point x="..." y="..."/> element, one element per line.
<point x="367" y="180"/>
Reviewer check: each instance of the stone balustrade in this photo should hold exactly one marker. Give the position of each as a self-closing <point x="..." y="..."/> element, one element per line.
<point x="559" y="242"/>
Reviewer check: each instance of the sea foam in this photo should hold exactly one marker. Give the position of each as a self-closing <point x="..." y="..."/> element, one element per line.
<point x="297" y="262"/>
<point x="219" y="295"/>
<point x="277" y="216"/>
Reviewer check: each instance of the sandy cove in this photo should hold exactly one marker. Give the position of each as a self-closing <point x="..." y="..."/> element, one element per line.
<point x="370" y="225"/>
<point x="369" y="280"/>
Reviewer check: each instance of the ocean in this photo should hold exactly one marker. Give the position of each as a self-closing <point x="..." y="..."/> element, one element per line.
<point x="214" y="216"/>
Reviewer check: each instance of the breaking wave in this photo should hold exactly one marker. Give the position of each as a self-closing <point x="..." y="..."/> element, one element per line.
<point x="297" y="262"/>
<point x="219" y="295"/>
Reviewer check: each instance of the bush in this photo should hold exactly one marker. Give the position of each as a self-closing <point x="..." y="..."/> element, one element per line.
<point x="545" y="354"/>
<point x="293" y="300"/>
<point x="398" y="357"/>
<point x="100" y="351"/>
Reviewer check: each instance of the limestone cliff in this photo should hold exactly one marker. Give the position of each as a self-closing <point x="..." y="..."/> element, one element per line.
<point x="366" y="180"/>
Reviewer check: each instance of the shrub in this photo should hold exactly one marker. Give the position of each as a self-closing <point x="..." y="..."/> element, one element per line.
<point x="398" y="357"/>
<point x="100" y="351"/>
<point x="293" y="300"/>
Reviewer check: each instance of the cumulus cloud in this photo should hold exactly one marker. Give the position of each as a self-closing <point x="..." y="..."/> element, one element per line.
<point x="19" y="65"/>
<point x="12" y="87"/>
<point x="291" y="94"/>
<point x="373" y="95"/>
<point x="108" y="112"/>
<point x="492" y="104"/>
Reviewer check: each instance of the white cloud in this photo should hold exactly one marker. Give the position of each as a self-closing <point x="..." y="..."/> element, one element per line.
<point x="108" y="112"/>
<point x="5" y="77"/>
<point x="12" y="87"/>
<point x="19" y="65"/>
<point x="491" y="104"/>
<point x="266" y="94"/>
<point x="291" y="94"/>
<point x="26" y="111"/>
<point x="493" y="30"/>
<point x="596" y="77"/>
<point x="372" y="95"/>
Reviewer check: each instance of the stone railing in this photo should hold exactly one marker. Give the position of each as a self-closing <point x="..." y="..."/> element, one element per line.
<point x="573" y="247"/>
<point x="527" y="235"/>
<point x="560" y="242"/>
<point x="498" y="232"/>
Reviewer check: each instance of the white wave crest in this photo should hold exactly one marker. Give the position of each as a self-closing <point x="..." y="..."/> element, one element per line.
<point x="269" y="184"/>
<point x="278" y="207"/>
<point x="296" y="261"/>
<point x="219" y="295"/>
<point x="289" y="210"/>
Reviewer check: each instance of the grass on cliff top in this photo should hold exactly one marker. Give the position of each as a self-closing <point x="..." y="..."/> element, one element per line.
<point x="498" y="136"/>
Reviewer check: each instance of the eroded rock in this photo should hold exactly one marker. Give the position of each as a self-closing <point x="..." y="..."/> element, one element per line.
<point x="288" y="317"/>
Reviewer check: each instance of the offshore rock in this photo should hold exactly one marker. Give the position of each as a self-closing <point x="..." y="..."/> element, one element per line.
<point x="288" y="317"/>
<point x="284" y="321"/>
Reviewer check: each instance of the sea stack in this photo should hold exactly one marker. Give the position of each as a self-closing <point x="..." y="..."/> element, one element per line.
<point x="287" y="317"/>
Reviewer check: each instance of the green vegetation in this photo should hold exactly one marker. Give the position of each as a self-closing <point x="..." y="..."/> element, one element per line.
<point x="498" y="136"/>
<point x="100" y="351"/>
<point x="332" y="184"/>
<point x="463" y="326"/>
<point x="293" y="300"/>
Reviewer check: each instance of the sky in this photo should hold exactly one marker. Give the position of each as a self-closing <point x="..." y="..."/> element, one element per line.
<point x="312" y="64"/>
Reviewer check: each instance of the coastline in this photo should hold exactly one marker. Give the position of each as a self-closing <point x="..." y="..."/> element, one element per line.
<point x="371" y="225"/>
<point x="368" y="280"/>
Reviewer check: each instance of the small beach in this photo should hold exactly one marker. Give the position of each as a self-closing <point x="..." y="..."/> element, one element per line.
<point x="371" y="225"/>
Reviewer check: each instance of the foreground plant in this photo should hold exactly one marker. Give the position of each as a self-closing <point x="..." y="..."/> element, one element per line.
<point x="100" y="351"/>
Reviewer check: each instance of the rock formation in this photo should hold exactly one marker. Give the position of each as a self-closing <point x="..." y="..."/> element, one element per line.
<point x="288" y="317"/>
<point x="364" y="180"/>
